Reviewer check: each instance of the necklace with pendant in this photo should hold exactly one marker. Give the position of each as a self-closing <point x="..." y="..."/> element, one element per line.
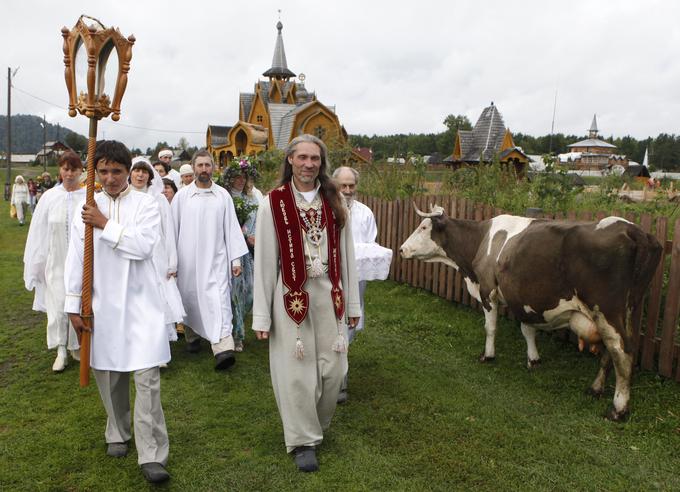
<point x="313" y="225"/>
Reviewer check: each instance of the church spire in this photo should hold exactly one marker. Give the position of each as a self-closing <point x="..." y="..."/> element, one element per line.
<point x="592" y="132"/>
<point x="279" y="68"/>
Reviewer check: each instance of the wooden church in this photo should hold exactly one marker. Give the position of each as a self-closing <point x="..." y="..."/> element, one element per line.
<point x="488" y="140"/>
<point x="279" y="109"/>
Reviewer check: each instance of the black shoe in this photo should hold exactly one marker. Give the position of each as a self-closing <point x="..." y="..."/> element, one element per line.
<point x="117" y="449"/>
<point x="305" y="459"/>
<point x="154" y="472"/>
<point x="342" y="397"/>
<point x="224" y="360"/>
<point x="194" y="347"/>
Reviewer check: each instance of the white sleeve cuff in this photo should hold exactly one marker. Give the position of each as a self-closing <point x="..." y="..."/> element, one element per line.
<point x="112" y="233"/>
<point x="261" y="323"/>
<point x="72" y="304"/>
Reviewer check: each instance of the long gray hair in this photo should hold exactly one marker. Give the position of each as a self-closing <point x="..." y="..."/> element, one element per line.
<point x="328" y="187"/>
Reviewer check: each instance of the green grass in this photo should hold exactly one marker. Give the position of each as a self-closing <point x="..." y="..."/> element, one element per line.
<point x="423" y="414"/>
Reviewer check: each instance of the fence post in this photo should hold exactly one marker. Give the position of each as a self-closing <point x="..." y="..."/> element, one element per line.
<point x="649" y="346"/>
<point x="670" y="313"/>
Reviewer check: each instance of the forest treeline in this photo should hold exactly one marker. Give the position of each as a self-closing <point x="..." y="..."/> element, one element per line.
<point x="664" y="149"/>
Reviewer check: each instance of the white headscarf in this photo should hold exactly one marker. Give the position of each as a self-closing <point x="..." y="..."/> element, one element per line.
<point x="157" y="186"/>
<point x="165" y="152"/>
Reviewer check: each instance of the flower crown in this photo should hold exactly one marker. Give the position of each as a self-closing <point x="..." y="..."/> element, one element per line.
<point x="238" y="166"/>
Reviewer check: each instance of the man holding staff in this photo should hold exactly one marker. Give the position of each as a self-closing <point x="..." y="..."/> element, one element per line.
<point x="128" y="334"/>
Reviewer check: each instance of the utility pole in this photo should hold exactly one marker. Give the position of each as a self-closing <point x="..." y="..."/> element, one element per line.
<point x="8" y="179"/>
<point x="8" y="153"/>
<point x="44" y="144"/>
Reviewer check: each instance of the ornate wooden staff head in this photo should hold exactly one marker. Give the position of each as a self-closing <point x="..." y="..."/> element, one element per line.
<point x="98" y="42"/>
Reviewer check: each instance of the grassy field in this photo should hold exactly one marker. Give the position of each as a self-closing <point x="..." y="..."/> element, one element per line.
<point x="423" y="414"/>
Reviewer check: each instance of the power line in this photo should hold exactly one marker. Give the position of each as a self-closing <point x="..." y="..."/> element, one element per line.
<point x="118" y="123"/>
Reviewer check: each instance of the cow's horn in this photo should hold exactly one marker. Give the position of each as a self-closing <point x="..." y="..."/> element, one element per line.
<point x="436" y="211"/>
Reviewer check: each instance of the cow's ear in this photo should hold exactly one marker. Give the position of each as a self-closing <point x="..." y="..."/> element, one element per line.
<point x="438" y="222"/>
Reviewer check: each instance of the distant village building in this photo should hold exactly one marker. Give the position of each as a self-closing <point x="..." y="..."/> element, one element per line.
<point x="592" y="154"/>
<point x="51" y="151"/>
<point x="278" y="110"/>
<point x="489" y="139"/>
<point x="365" y="152"/>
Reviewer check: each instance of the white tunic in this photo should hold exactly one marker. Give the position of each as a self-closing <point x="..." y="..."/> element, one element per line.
<point x="165" y="261"/>
<point x="44" y="258"/>
<point x="364" y="228"/>
<point x="208" y="239"/>
<point x="129" y="329"/>
<point x="373" y="261"/>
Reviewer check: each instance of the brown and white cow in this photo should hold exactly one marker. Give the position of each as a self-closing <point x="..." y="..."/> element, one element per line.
<point x="586" y="276"/>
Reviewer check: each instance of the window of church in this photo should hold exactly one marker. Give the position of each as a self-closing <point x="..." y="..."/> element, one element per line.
<point x="259" y="118"/>
<point x="320" y="132"/>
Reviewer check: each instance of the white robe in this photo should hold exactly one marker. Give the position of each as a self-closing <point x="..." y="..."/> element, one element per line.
<point x="373" y="261"/>
<point x="364" y="228"/>
<point x="44" y="258"/>
<point x="208" y="239"/>
<point x="165" y="261"/>
<point x="129" y="327"/>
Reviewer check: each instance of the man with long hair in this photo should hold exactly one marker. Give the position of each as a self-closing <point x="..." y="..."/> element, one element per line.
<point x="306" y="294"/>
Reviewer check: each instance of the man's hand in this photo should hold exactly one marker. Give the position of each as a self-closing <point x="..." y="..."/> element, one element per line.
<point x="250" y="240"/>
<point x="353" y="322"/>
<point x="172" y="274"/>
<point x="261" y="335"/>
<point x="236" y="271"/>
<point x="78" y="325"/>
<point x="92" y="216"/>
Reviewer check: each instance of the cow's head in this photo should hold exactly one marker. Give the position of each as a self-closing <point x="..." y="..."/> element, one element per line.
<point x="420" y="244"/>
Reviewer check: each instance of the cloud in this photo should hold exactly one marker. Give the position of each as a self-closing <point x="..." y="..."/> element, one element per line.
<point x="388" y="67"/>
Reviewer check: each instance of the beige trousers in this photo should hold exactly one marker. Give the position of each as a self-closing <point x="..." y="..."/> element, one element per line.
<point x="151" y="434"/>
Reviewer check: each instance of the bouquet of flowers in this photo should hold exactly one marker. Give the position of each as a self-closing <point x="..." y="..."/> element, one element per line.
<point x="243" y="209"/>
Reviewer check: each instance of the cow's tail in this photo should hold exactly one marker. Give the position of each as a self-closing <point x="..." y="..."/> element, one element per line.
<point x="648" y="252"/>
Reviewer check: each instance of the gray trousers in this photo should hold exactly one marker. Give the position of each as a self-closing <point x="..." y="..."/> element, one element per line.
<point x="151" y="435"/>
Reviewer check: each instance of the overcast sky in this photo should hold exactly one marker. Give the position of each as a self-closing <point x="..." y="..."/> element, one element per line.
<point x="387" y="66"/>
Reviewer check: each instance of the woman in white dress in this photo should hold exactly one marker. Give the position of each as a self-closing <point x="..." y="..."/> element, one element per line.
<point x="45" y="256"/>
<point x="20" y="197"/>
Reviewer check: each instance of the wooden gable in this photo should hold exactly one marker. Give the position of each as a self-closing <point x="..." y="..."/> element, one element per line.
<point x="318" y="120"/>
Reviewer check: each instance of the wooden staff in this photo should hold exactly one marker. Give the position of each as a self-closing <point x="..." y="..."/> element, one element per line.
<point x="88" y="262"/>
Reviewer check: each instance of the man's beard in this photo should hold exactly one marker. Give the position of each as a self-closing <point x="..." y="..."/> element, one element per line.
<point x="349" y="199"/>
<point x="204" y="177"/>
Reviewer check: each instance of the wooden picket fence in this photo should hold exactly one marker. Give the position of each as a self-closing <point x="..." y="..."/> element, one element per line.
<point x="656" y="333"/>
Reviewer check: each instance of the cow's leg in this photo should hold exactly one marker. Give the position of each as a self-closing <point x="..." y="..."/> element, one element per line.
<point x="490" y="323"/>
<point x="623" y="367"/>
<point x="597" y="388"/>
<point x="529" y="332"/>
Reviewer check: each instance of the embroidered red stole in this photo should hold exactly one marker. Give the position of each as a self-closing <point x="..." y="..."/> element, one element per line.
<point x="289" y="234"/>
